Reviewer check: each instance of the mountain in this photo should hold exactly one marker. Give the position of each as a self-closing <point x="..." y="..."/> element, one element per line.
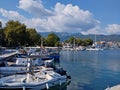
<point x="65" y="35"/>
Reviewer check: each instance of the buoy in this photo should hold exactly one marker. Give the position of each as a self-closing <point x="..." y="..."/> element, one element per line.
<point x="47" y="86"/>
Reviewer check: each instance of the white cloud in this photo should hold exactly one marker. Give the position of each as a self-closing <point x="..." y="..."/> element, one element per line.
<point x="95" y="30"/>
<point x="34" y="7"/>
<point x="113" y="29"/>
<point x="71" y="19"/>
<point x="13" y="15"/>
<point x="62" y="18"/>
<point x="39" y="24"/>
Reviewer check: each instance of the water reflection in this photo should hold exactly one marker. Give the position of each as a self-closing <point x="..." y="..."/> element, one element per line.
<point x="92" y="70"/>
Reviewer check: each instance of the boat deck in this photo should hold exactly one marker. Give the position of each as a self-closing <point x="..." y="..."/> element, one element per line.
<point x="6" y="56"/>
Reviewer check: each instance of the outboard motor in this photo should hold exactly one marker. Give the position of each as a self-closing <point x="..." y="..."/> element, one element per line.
<point x="61" y="71"/>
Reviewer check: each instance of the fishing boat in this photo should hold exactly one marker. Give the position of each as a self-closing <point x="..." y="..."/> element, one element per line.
<point x="19" y="67"/>
<point x="44" y="79"/>
<point x="41" y="80"/>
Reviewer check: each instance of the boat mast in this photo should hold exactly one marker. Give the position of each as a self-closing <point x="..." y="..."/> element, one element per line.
<point x="74" y="43"/>
<point x="95" y="39"/>
<point x="30" y="71"/>
<point x="41" y="42"/>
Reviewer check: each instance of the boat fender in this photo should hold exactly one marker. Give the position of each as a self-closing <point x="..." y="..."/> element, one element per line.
<point x="24" y="87"/>
<point x="47" y="86"/>
<point x="60" y="82"/>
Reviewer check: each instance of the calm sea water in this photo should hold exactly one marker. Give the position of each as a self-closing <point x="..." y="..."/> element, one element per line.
<point x="91" y="70"/>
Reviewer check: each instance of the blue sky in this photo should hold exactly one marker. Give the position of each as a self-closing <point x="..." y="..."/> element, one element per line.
<point x="83" y="16"/>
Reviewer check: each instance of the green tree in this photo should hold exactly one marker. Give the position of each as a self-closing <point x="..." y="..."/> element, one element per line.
<point x="79" y="41"/>
<point x="34" y="37"/>
<point x="88" y="42"/>
<point x="44" y="41"/>
<point x="15" y="33"/>
<point x="58" y="44"/>
<point x="52" y="39"/>
<point x="2" y="36"/>
<point x="66" y="41"/>
<point x="71" y="39"/>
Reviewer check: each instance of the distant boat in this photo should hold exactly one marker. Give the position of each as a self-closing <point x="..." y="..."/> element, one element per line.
<point x="94" y="49"/>
<point x="51" y="52"/>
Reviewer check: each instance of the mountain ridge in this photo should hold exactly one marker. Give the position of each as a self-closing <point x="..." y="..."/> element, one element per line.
<point x="65" y="35"/>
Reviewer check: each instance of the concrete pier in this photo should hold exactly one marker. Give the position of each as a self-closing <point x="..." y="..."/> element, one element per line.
<point x="117" y="87"/>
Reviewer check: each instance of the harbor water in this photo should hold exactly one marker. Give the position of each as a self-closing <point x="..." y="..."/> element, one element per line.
<point x="91" y="70"/>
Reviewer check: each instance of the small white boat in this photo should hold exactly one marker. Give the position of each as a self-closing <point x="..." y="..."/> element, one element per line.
<point x="34" y="61"/>
<point x="24" y="61"/>
<point x="44" y="79"/>
<point x="20" y="66"/>
<point x="41" y="80"/>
